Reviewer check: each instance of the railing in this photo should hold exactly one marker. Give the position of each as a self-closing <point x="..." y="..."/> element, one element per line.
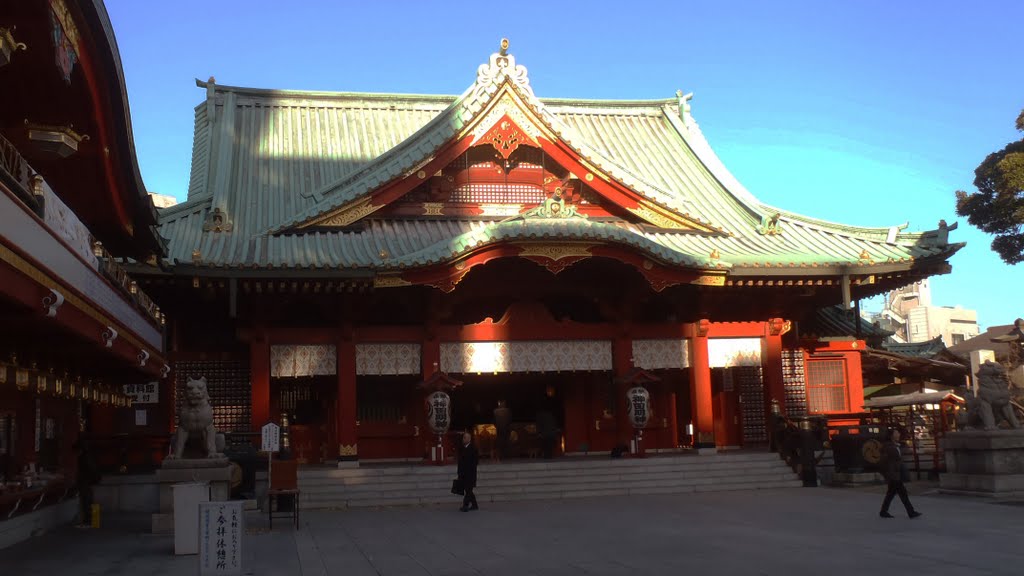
<point x="111" y="269"/>
<point x="61" y="221"/>
<point x="14" y="166"/>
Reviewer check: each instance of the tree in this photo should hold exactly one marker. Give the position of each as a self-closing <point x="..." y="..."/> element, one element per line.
<point x="998" y="206"/>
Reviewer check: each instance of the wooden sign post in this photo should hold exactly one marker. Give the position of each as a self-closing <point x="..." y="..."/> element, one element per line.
<point x="271" y="434"/>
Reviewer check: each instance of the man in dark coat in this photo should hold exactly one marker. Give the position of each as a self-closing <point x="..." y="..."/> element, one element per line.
<point x="894" y="471"/>
<point x="86" y="476"/>
<point x="468" y="459"/>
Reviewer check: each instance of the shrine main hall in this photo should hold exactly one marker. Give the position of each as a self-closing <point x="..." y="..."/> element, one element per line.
<point x="336" y="251"/>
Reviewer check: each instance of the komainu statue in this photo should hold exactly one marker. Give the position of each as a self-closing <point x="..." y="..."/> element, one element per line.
<point x="195" y="423"/>
<point x="992" y="405"/>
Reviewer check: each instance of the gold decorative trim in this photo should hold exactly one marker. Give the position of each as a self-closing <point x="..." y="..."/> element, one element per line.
<point x="654" y="216"/>
<point x="348" y="450"/>
<point x="556" y="251"/>
<point x="390" y="282"/>
<point x="710" y="280"/>
<point x="40" y="277"/>
<point x="63" y="15"/>
<point x="433" y="208"/>
<point x="345" y="215"/>
<point x="506" y="105"/>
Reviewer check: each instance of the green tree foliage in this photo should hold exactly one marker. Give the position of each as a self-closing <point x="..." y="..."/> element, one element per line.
<point x="998" y="206"/>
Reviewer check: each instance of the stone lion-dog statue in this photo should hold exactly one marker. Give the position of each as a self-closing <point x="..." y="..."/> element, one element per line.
<point x="195" y="423"/>
<point x="992" y="404"/>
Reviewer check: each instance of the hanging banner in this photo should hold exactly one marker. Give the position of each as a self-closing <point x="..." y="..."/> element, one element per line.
<point x="639" y="405"/>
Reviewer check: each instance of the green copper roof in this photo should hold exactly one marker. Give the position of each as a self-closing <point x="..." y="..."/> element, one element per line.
<point x="268" y="160"/>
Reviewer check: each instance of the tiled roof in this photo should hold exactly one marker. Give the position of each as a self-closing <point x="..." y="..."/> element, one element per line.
<point x="272" y="159"/>
<point x="835" y="321"/>
<point x="927" y="349"/>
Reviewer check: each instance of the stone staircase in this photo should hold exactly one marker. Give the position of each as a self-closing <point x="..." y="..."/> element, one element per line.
<point x="568" y="477"/>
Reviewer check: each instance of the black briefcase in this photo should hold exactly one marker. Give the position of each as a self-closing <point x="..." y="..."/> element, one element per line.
<point x="458" y="488"/>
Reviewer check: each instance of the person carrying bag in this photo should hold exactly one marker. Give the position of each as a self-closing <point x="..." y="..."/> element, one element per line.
<point x="466" y="481"/>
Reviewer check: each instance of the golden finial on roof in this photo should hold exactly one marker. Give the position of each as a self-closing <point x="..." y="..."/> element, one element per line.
<point x="504" y="47"/>
<point x="715" y="255"/>
<point x="864" y="255"/>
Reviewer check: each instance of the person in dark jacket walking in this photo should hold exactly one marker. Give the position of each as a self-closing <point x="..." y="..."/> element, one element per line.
<point x="894" y="471"/>
<point x="468" y="459"/>
<point x="86" y="476"/>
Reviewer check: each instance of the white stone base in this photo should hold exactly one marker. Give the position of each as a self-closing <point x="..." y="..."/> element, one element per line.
<point x="134" y="493"/>
<point x="857" y="478"/>
<point x="26" y="526"/>
<point x="218" y="476"/>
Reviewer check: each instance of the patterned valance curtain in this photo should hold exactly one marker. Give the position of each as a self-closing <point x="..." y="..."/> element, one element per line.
<point x="533" y="356"/>
<point x="661" y="354"/>
<point x="387" y="359"/>
<point x="730" y="352"/>
<point x="291" y="361"/>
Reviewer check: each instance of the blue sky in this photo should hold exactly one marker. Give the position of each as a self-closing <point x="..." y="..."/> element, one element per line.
<point x="869" y="113"/>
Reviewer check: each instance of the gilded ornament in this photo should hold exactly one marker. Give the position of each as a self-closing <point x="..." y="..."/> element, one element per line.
<point x="433" y="208"/>
<point x="710" y="280"/>
<point x="346" y="215"/>
<point x="556" y="251"/>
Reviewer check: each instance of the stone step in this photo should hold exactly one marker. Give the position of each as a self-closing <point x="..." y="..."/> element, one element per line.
<point x="557" y="465"/>
<point x="487" y="497"/>
<point x="543" y="488"/>
<point x="370" y="486"/>
<point x="356" y="475"/>
<point x="441" y="482"/>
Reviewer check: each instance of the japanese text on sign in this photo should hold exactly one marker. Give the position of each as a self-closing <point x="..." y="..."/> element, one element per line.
<point x="220" y="538"/>
<point x="148" y="393"/>
<point x="271" y="435"/>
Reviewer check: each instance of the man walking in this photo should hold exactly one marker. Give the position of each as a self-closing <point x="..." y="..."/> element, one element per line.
<point x="86" y="476"/>
<point x="894" y="471"/>
<point x="468" y="459"/>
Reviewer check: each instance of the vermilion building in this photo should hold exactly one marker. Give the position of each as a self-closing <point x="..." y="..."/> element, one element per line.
<point x="74" y="328"/>
<point x="337" y="249"/>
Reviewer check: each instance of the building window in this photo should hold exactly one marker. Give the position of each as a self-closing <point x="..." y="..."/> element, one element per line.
<point x="958" y="339"/>
<point x="826" y="386"/>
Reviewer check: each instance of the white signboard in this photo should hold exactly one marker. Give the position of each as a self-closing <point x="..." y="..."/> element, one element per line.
<point x="221" y="526"/>
<point x="148" y="393"/>
<point x="271" y="438"/>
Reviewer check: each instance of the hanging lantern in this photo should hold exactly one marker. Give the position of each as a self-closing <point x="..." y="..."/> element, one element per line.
<point x="58" y="385"/>
<point x="73" y="386"/>
<point x="439" y="412"/>
<point x="639" y="406"/>
<point x="21" y="379"/>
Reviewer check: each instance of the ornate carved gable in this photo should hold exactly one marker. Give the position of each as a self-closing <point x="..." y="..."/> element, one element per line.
<point x="509" y="157"/>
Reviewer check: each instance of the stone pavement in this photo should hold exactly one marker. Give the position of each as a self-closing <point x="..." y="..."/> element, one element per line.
<point x="789" y="531"/>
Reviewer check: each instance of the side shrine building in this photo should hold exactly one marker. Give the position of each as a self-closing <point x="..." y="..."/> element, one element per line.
<point x="338" y="250"/>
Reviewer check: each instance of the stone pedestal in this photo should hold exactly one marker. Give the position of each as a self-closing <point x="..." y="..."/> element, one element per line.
<point x="187" y="498"/>
<point x="214" y="471"/>
<point x="984" y="463"/>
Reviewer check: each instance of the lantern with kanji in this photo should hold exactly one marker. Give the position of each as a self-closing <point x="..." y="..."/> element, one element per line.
<point x="639" y="406"/>
<point x="439" y="411"/>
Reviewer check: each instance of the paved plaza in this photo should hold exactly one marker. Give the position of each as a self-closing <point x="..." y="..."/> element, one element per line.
<point x="790" y="531"/>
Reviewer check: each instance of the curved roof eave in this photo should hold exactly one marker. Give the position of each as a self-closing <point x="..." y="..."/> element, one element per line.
<point x="95" y="14"/>
<point x="519" y="230"/>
